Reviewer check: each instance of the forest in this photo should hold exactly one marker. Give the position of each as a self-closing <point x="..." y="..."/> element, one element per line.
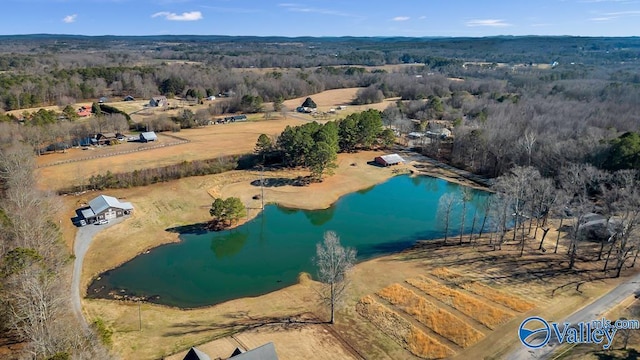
<point x="555" y="120"/>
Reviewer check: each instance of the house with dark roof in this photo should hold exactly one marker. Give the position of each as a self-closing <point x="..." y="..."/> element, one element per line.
<point x="105" y="207"/>
<point x="106" y="138"/>
<point x="158" y="101"/>
<point x="148" y="136"/>
<point x="388" y="160"/>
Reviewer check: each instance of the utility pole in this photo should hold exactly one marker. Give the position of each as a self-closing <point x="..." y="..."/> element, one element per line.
<point x="262" y="185"/>
<point x="139" y="317"/>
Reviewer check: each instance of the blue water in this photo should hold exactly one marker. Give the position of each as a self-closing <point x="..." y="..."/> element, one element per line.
<point x="270" y="251"/>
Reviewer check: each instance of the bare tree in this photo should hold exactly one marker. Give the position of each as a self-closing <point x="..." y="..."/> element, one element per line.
<point x="446" y="204"/>
<point x="580" y="181"/>
<point x="527" y="142"/>
<point x="467" y="196"/>
<point x="626" y="225"/>
<point x="333" y="262"/>
<point x="518" y="187"/>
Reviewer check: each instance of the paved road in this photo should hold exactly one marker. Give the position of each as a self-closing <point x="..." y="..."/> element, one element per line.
<point x="81" y="245"/>
<point x="593" y="311"/>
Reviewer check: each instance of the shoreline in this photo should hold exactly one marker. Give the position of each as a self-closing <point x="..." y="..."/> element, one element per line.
<point x="352" y="175"/>
<point x="236" y="183"/>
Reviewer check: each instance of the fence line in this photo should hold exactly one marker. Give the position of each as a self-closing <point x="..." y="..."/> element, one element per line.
<point x="182" y="141"/>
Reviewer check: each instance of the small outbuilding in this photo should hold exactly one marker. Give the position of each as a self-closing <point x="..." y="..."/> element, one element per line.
<point x="148" y="136"/>
<point x="128" y="98"/>
<point x="158" y="101"/>
<point x="389" y="160"/>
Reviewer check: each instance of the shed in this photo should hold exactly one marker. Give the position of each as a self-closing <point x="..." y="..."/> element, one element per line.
<point x="195" y="354"/>
<point x="388" y="160"/>
<point x="148" y="136"/>
<point x="158" y="101"/>
<point x="128" y="98"/>
<point x="264" y="352"/>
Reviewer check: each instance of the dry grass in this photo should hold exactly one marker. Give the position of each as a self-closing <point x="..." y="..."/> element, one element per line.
<point x="486" y="314"/>
<point x="439" y="320"/>
<point x="498" y="297"/>
<point x="205" y="143"/>
<point x="401" y="330"/>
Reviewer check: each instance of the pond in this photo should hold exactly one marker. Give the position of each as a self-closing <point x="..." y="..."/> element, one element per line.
<point x="269" y="252"/>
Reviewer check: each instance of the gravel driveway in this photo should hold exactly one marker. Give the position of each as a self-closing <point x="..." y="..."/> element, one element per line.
<point x="84" y="237"/>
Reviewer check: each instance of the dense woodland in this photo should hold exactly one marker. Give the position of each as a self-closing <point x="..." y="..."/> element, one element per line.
<point x="554" y="119"/>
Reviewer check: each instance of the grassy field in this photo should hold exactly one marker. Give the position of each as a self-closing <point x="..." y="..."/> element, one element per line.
<point x="204" y="143"/>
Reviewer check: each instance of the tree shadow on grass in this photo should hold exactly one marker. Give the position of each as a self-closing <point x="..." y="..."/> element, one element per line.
<point x="281" y="181"/>
<point x="191" y="229"/>
<point x="630" y="354"/>
<point x="241" y="321"/>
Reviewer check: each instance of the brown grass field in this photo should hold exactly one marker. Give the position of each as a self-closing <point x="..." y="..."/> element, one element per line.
<point x="439" y="320"/>
<point x="486" y="314"/>
<point x="498" y="297"/>
<point x="401" y="330"/>
<point x="205" y="143"/>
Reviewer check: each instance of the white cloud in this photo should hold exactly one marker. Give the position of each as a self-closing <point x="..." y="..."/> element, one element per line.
<point x="185" y="16"/>
<point x="615" y="15"/>
<point x="70" y="18"/>
<point x="311" y="10"/>
<point x="488" y="22"/>
<point x="401" y="18"/>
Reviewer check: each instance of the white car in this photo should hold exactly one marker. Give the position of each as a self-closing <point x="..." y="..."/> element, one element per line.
<point x="102" y="222"/>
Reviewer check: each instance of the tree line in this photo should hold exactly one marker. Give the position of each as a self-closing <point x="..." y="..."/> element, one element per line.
<point x="315" y="146"/>
<point x="35" y="305"/>
<point x="598" y="210"/>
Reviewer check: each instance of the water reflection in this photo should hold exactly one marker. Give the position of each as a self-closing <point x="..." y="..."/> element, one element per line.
<point x="229" y="244"/>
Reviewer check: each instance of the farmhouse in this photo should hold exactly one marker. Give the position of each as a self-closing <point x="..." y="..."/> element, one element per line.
<point x="158" y="101"/>
<point x="148" y="136"/>
<point x="105" y="207"/>
<point x="105" y="138"/>
<point x="388" y="160"/>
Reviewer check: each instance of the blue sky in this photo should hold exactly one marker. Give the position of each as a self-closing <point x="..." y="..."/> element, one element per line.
<point x="323" y="17"/>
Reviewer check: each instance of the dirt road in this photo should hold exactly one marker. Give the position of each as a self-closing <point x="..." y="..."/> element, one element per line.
<point x="593" y="311"/>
